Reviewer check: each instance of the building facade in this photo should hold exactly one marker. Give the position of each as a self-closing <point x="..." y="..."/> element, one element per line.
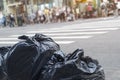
<point x="29" y="6"/>
<point x="1" y="5"/>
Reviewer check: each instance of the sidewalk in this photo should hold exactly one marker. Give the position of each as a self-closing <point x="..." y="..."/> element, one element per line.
<point x="99" y="19"/>
<point x="69" y="22"/>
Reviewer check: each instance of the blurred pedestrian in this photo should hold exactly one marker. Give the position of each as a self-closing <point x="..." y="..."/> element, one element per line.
<point x="77" y="13"/>
<point x="41" y="15"/>
<point x="46" y="14"/>
<point x="54" y="15"/>
<point x="19" y="20"/>
<point x="103" y="8"/>
<point x="12" y="20"/>
<point x="115" y="9"/>
<point x="90" y="10"/>
<point x="32" y="17"/>
<point x="50" y="15"/>
<point x="57" y="15"/>
<point x="2" y="20"/>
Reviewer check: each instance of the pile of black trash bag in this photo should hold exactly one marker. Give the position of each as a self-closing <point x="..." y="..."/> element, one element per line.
<point x="40" y="58"/>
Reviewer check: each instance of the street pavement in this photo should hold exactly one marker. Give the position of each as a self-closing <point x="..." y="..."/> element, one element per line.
<point x="98" y="37"/>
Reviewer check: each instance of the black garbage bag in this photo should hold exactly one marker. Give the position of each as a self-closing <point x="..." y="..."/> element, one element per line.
<point x="26" y="59"/>
<point x="76" y="67"/>
<point x="3" y="74"/>
<point x="40" y="58"/>
<point x="4" y="50"/>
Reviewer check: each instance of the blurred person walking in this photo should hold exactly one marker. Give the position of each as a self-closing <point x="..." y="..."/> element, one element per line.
<point x="46" y="13"/>
<point x="77" y="13"/>
<point x="103" y="9"/>
<point x="50" y="15"/>
<point x="90" y="10"/>
<point x="41" y="16"/>
<point x="115" y="9"/>
<point x="54" y="15"/>
<point x="32" y="17"/>
<point x="2" y="20"/>
<point x="12" y="20"/>
<point x="57" y="14"/>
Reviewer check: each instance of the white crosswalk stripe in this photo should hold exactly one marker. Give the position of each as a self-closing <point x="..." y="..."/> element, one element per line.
<point x="62" y="35"/>
<point x="14" y="42"/>
<point x="66" y="34"/>
<point x="73" y="30"/>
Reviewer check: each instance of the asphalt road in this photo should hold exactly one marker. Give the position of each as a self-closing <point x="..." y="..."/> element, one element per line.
<point x="98" y="37"/>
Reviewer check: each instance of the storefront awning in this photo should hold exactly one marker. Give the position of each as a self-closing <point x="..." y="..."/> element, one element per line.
<point x="81" y="1"/>
<point x="14" y="4"/>
<point x="89" y="0"/>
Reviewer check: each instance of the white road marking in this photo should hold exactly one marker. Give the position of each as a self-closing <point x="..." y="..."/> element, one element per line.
<point x="64" y="42"/>
<point x="4" y="39"/>
<point x="76" y="33"/>
<point x="58" y="42"/>
<point x="63" y="34"/>
<point x="54" y="37"/>
<point x="8" y="42"/>
<point x="72" y="37"/>
<point x="74" y="30"/>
